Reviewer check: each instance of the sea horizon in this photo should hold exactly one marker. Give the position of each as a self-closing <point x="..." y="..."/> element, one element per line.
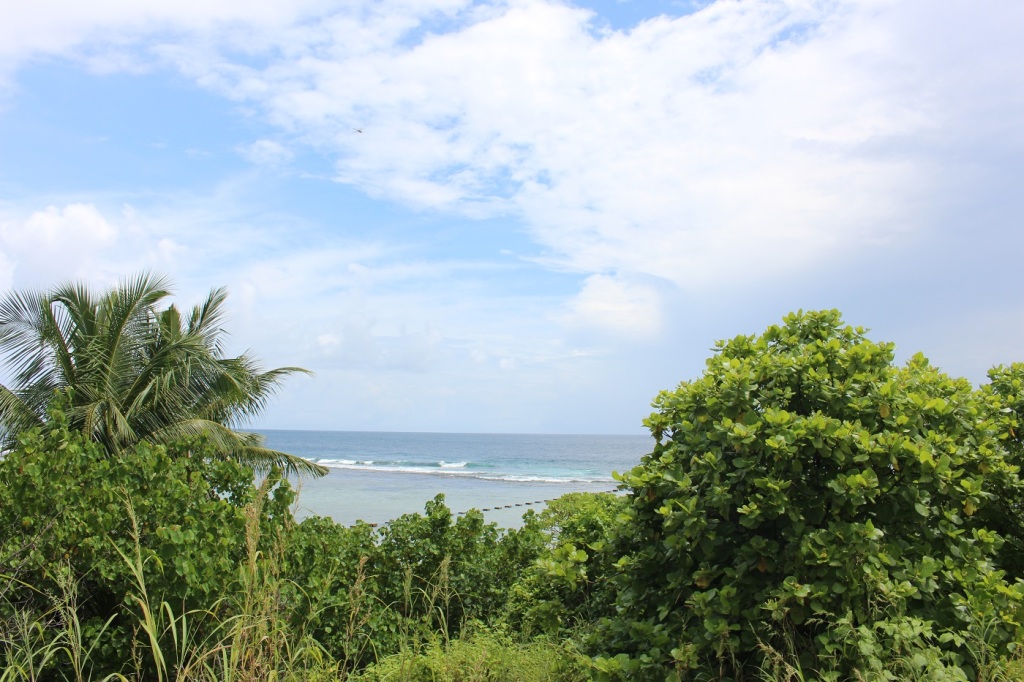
<point x="376" y="476"/>
<point x="265" y="430"/>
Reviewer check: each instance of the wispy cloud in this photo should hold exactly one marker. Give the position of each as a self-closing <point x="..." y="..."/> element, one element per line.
<point x="690" y="162"/>
<point x="267" y="153"/>
<point x="763" y="135"/>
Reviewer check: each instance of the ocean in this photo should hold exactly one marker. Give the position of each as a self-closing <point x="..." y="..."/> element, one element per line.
<point x="378" y="476"/>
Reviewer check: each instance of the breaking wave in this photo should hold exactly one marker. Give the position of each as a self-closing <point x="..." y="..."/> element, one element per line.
<point x="464" y="469"/>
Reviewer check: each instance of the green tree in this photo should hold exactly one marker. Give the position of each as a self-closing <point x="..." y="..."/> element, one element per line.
<point x="460" y="561"/>
<point x="1003" y="398"/>
<point x="807" y="495"/>
<point x="64" y="507"/>
<point x="568" y="588"/>
<point x="133" y="371"/>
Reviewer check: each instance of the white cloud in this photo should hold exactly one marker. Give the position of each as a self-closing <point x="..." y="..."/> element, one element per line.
<point x="267" y="153"/>
<point x="78" y="224"/>
<point x="744" y="140"/>
<point x="617" y="306"/>
<point x="739" y="141"/>
<point x="58" y="27"/>
<point x="98" y="244"/>
<point x="102" y="242"/>
<point x="55" y="244"/>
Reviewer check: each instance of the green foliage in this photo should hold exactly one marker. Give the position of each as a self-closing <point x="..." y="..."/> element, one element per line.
<point x="333" y="595"/>
<point x="473" y="563"/>
<point x="251" y="640"/>
<point x="65" y="503"/>
<point x="179" y="562"/>
<point x="1003" y="399"/>
<point x="809" y="511"/>
<point x="130" y="371"/>
<point x="568" y="587"/>
<point x="801" y="490"/>
<point x="365" y="594"/>
<point x="584" y="519"/>
<point x="431" y="573"/>
<point x="479" y="657"/>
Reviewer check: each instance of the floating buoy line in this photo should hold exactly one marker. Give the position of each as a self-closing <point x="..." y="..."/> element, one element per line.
<point x="512" y="506"/>
<point x="527" y="504"/>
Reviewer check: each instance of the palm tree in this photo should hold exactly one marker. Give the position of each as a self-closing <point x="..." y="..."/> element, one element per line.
<point x="133" y="372"/>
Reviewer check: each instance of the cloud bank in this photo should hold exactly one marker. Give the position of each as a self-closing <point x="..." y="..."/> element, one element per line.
<point x="757" y="146"/>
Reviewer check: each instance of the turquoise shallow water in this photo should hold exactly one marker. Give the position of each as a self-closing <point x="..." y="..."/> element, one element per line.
<point x="377" y="476"/>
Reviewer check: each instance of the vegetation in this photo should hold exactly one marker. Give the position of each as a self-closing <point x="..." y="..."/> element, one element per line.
<point x="133" y="372"/>
<point x="806" y="494"/>
<point x="809" y="511"/>
<point x="182" y="520"/>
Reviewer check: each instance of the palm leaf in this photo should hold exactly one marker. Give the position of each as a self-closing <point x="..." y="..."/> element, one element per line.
<point x="135" y="372"/>
<point x="242" y="447"/>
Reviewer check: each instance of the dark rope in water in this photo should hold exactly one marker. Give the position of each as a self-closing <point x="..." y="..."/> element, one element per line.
<point x="526" y="504"/>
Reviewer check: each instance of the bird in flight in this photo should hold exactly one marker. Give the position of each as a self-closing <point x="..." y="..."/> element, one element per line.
<point x="358" y="130"/>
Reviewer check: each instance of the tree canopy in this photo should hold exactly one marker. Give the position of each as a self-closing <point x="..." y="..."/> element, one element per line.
<point x="132" y="370"/>
<point x="807" y="494"/>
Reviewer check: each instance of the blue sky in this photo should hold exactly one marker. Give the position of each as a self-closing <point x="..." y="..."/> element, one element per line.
<point x="553" y="209"/>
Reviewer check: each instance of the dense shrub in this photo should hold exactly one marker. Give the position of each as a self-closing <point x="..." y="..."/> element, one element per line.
<point x="807" y="496"/>
<point x="1003" y="398"/>
<point x="480" y="657"/>
<point x="212" y="544"/>
<point x="332" y="591"/>
<point x="452" y="570"/>
<point x="365" y="594"/>
<point x="66" y="504"/>
<point x="809" y="509"/>
<point x="568" y="587"/>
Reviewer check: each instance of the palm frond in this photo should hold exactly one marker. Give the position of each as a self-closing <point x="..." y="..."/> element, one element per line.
<point x="25" y="337"/>
<point x="242" y="447"/>
<point x="135" y="372"/>
<point x="15" y="416"/>
<point x="205" y="321"/>
<point x="262" y="459"/>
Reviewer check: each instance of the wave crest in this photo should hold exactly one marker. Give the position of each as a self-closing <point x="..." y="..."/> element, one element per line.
<point x="462" y="469"/>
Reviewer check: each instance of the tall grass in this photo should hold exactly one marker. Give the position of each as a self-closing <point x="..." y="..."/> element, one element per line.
<point x="34" y="645"/>
<point x="480" y="656"/>
<point x="477" y="654"/>
<point x="241" y="639"/>
<point x="254" y="641"/>
<point x="250" y="635"/>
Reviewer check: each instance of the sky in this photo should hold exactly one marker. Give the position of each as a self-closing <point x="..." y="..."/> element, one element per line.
<point x="524" y="216"/>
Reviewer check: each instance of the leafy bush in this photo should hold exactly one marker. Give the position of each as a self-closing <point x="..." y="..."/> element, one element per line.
<point x="804" y="489"/>
<point x="1003" y="398"/>
<point x="479" y="657"/>
<point x="64" y="503"/>
<point x="366" y="594"/>
<point x="569" y="587"/>
<point x="191" y="536"/>
<point x="332" y="592"/>
<point x="450" y="571"/>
